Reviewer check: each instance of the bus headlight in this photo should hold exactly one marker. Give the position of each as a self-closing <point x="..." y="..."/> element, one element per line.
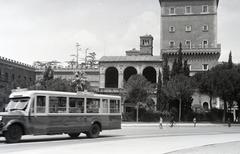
<point x="0" y="118"/>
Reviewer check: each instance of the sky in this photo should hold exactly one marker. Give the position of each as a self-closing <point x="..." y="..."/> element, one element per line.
<point x="45" y="30"/>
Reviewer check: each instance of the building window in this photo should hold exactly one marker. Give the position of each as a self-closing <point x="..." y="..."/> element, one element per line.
<point x="172" y="10"/>
<point x="171" y="29"/>
<point x="205" y="9"/>
<point x="205" y="67"/>
<point x="188" y="10"/>
<point x="205" y="28"/>
<point x="6" y="76"/>
<point x="13" y="77"/>
<point x="188" y="28"/>
<point x="205" y="106"/>
<point x="171" y="44"/>
<point x="205" y="44"/>
<point x="188" y="44"/>
<point x="146" y="42"/>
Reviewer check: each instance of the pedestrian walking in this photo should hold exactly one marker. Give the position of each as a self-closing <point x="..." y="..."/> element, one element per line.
<point x="229" y="122"/>
<point x="194" y="121"/>
<point x="171" y="121"/>
<point x="160" y="122"/>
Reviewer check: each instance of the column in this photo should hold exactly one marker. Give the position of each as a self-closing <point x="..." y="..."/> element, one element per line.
<point x="102" y="78"/>
<point x="120" y="76"/>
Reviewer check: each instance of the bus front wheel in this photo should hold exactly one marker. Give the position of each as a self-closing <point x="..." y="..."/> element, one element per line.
<point x="13" y="134"/>
<point x="74" y="135"/>
<point x="94" y="131"/>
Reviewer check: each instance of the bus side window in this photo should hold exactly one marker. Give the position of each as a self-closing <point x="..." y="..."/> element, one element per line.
<point x="114" y="106"/>
<point x="93" y="105"/>
<point x="41" y="104"/>
<point x="104" y="105"/>
<point x="76" y="105"/>
<point x="57" y="104"/>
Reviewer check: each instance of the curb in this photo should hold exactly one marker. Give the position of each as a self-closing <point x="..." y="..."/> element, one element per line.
<point x="177" y="125"/>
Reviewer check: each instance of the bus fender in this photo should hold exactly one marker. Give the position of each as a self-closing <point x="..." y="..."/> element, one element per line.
<point x="11" y="122"/>
<point x="97" y="122"/>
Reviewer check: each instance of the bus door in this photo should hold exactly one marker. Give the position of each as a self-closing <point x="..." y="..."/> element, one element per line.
<point x="92" y="110"/>
<point x="38" y="119"/>
<point x="58" y="116"/>
<point x="77" y="118"/>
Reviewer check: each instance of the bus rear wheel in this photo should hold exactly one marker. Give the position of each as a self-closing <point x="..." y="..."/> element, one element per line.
<point x="74" y="135"/>
<point x="94" y="131"/>
<point x="13" y="134"/>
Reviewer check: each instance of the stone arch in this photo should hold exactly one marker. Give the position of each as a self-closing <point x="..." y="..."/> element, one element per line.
<point x="205" y="106"/>
<point x="111" y="77"/>
<point x="150" y="74"/>
<point x="128" y="72"/>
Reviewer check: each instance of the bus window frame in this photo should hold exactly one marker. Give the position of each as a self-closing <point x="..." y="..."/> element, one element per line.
<point x="92" y="97"/>
<point x="57" y="113"/>
<point x="116" y="101"/>
<point x="35" y="105"/>
<point x="101" y="106"/>
<point x="68" y="105"/>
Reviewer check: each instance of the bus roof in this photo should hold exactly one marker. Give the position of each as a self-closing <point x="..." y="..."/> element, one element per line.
<point x="28" y="93"/>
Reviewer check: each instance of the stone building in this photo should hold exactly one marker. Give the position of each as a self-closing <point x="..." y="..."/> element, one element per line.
<point x="14" y="74"/>
<point x="193" y="23"/>
<point x="92" y="74"/>
<point x="116" y="70"/>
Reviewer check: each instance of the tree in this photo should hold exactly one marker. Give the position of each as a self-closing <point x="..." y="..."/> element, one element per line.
<point x="206" y="84"/>
<point x="186" y="70"/>
<point x="174" y="68"/>
<point x="230" y="63"/>
<point x="159" y="88"/>
<point x="48" y="73"/>
<point x="225" y="84"/>
<point x="179" y="61"/>
<point x="56" y="84"/>
<point x="180" y="88"/>
<point x="91" y="59"/>
<point x="80" y="81"/>
<point x="138" y="89"/>
<point x="237" y="90"/>
<point x="166" y="71"/>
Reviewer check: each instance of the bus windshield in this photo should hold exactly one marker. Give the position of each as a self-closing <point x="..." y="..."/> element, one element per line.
<point x="17" y="103"/>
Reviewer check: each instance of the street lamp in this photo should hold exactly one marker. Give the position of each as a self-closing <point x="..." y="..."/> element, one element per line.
<point x="180" y="106"/>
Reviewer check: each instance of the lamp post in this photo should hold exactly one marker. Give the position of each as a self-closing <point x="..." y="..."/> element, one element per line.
<point x="137" y="111"/>
<point x="180" y="106"/>
<point x="77" y="46"/>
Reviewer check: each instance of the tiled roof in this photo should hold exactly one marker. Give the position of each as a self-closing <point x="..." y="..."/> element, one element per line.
<point x="130" y="59"/>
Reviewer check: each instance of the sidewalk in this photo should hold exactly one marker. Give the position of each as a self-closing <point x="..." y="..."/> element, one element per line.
<point x="181" y="124"/>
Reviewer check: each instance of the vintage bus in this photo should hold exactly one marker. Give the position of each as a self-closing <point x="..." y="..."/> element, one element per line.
<point x="39" y="112"/>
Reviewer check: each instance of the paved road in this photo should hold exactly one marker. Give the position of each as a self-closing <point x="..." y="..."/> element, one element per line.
<point x="130" y="139"/>
<point x="221" y="148"/>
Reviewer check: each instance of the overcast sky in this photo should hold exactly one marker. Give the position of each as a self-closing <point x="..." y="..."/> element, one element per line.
<point x="44" y="30"/>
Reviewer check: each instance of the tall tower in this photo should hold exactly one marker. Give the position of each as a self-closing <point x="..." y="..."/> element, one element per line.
<point x="146" y="45"/>
<point x="194" y="24"/>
